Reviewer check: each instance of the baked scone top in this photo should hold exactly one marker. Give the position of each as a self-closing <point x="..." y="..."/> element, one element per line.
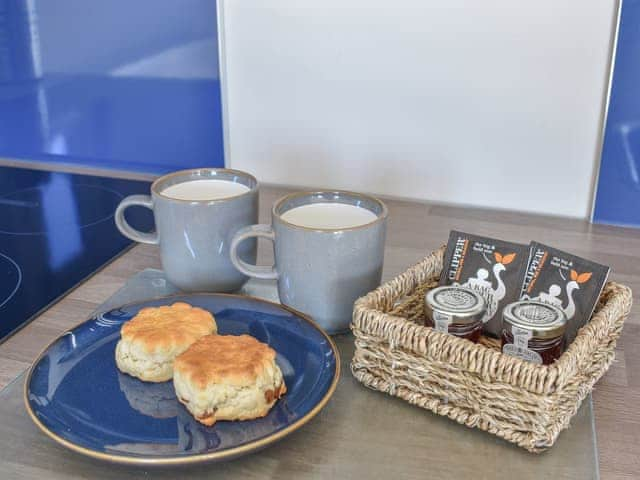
<point x="157" y="329"/>
<point x="231" y="359"/>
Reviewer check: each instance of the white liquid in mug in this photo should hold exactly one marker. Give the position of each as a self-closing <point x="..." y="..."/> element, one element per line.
<point x="329" y="216"/>
<point x="203" y="190"/>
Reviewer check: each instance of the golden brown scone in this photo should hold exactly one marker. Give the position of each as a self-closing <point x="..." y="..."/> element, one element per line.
<point x="228" y="377"/>
<point x="152" y="339"/>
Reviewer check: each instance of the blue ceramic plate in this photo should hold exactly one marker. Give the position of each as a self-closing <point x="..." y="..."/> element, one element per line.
<point x="77" y="396"/>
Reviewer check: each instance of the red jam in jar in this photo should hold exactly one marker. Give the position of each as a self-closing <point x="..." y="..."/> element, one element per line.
<point x="455" y="310"/>
<point x="533" y="331"/>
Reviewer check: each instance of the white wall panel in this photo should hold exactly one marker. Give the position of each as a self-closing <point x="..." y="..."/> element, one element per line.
<point x="492" y="103"/>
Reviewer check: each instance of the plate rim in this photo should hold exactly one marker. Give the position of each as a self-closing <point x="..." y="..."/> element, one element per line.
<point x="199" y="457"/>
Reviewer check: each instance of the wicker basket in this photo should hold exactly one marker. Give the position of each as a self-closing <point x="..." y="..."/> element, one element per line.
<point x="475" y="384"/>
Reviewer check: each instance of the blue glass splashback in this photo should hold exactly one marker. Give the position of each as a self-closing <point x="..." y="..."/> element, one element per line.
<point x="116" y="84"/>
<point x="618" y="195"/>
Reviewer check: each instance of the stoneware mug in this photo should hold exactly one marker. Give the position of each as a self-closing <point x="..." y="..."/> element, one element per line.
<point x="195" y="235"/>
<point x="320" y="271"/>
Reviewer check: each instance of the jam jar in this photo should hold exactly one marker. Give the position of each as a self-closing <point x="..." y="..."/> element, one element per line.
<point x="533" y="331"/>
<point x="455" y="310"/>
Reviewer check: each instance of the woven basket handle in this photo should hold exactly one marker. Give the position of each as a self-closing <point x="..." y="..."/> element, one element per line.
<point x="256" y="271"/>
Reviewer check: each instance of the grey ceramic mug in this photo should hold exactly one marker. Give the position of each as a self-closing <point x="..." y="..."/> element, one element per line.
<point x="320" y="272"/>
<point x="194" y="236"/>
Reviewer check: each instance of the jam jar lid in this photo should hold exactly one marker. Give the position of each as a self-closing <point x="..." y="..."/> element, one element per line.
<point x="541" y="319"/>
<point x="462" y="305"/>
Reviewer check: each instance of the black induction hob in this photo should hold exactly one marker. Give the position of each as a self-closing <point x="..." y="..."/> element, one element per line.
<point x="56" y="229"/>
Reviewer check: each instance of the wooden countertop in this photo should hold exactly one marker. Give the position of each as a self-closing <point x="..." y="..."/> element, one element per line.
<point x="416" y="229"/>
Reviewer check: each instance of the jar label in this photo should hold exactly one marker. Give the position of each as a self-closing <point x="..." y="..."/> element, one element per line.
<point x="441" y="322"/>
<point x="523" y="353"/>
<point x="521" y="337"/>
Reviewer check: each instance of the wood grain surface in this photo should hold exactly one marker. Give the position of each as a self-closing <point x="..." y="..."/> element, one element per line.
<point x="416" y="229"/>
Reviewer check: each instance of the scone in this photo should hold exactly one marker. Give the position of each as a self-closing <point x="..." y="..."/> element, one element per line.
<point x="152" y="339"/>
<point x="228" y="377"/>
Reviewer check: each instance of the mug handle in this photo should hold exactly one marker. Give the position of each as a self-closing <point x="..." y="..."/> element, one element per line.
<point x="256" y="271"/>
<point x="126" y="229"/>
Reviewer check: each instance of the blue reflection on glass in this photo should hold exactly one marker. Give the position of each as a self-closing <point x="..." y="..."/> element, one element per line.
<point x="128" y="85"/>
<point x="55" y="229"/>
<point x="58" y="202"/>
<point x="618" y="193"/>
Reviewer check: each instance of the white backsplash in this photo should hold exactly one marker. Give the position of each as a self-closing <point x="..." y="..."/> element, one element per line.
<point x="492" y="103"/>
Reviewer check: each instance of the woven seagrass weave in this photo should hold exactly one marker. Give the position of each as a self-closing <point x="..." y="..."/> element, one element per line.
<point x="475" y="384"/>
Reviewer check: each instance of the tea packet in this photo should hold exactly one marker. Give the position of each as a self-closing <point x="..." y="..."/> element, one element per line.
<point x="566" y="281"/>
<point x="494" y="268"/>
